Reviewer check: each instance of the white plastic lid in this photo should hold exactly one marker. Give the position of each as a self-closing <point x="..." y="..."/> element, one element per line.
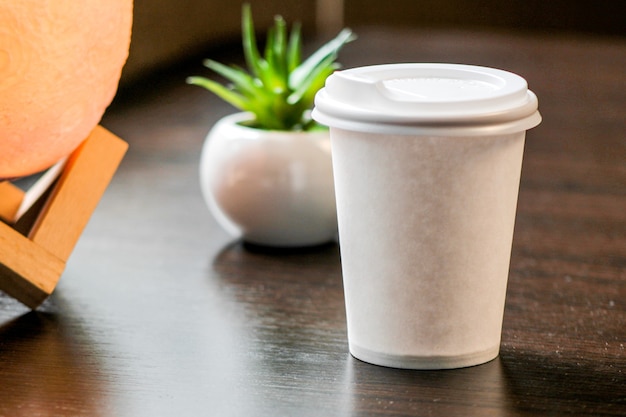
<point x="448" y="99"/>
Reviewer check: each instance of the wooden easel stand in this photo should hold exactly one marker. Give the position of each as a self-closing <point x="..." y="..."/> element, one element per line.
<point x="34" y="250"/>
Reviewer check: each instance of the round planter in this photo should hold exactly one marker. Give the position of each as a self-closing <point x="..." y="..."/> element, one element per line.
<point x="271" y="188"/>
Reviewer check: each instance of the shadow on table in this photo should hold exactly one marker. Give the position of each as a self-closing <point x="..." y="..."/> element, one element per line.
<point x="475" y="391"/>
<point x="44" y="370"/>
<point x="281" y="251"/>
<point x="241" y="261"/>
<point x="511" y="385"/>
<point x="556" y="386"/>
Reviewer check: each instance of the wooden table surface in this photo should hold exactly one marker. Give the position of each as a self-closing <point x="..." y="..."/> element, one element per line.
<point x="161" y="313"/>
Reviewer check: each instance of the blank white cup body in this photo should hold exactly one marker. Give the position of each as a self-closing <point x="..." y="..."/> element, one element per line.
<point x="426" y="210"/>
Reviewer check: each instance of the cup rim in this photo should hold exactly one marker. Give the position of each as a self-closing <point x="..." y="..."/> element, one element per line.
<point x="427" y="98"/>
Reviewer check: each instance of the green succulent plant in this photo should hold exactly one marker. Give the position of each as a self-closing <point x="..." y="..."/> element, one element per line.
<point x="278" y="87"/>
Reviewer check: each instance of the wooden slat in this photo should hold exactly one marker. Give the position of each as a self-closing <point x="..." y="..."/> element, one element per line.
<point x="10" y="200"/>
<point x="77" y="193"/>
<point x="28" y="272"/>
<point x="30" y="267"/>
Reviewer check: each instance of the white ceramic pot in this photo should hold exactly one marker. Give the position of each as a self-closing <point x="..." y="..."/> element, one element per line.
<point x="271" y="188"/>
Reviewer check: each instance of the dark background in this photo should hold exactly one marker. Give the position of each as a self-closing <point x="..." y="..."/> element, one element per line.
<point x="607" y="17"/>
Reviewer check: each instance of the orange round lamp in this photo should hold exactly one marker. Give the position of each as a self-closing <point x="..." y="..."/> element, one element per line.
<point x="60" y="65"/>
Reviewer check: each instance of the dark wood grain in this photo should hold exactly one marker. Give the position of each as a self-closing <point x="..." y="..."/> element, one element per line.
<point x="160" y="313"/>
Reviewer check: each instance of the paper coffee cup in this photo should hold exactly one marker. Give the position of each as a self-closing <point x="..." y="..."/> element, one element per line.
<point x="427" y="161"/>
